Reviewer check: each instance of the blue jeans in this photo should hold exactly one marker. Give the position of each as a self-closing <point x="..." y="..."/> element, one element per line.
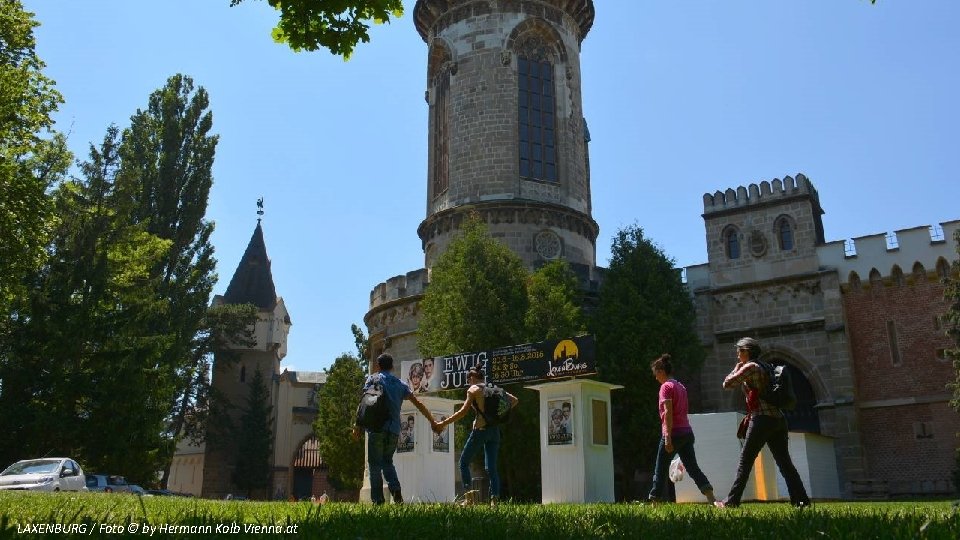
<point x="771" y="431"/>
<point x="489" y="439"/>
<point x="380" y="449"/>
<point x="682" y="445"/>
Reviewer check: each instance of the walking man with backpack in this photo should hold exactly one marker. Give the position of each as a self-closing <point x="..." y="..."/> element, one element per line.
<point x="491" y="405"/>
<point x="766" y="425"/>
<point x="379" y="414"/>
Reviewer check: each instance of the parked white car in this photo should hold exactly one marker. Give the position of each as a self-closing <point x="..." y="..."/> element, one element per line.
<point x="44" y="474"/>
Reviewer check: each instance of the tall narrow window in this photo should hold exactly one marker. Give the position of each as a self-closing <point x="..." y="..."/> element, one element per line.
<point x="732" y="244"/>
<point x="785" y="234"/>
<point x="536" y="119"/>
<point x="441" y="150"/>
<point x="895" y="358"/>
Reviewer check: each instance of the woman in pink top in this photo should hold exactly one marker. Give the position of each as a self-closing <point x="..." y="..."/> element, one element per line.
<point x="676" y="433"/>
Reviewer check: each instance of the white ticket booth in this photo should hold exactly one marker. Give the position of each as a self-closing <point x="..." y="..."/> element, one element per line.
<point x="424" y="460"/>
<point x="576" y="441"/>
<point x="718" y="452"/>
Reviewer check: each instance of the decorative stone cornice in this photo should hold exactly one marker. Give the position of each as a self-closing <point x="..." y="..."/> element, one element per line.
<point x="497" y="212"/>
<point x="431" y="16"/>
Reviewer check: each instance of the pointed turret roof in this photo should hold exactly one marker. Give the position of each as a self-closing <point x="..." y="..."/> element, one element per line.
<point x="252" y="283"/>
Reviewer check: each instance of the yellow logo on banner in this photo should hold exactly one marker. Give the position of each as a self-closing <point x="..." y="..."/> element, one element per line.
<point x="566" y="349"/>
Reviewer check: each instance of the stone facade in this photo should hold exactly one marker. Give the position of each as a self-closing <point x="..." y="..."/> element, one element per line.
<point x="795" y="295"/>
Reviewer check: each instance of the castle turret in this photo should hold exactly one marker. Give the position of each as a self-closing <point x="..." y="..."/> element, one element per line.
<point x="506" y="139"/>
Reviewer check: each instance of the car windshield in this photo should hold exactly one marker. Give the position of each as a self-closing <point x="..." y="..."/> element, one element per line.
<point x="34" y="466"/>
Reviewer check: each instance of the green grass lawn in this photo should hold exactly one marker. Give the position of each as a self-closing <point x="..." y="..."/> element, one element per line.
<point x="41" y="515"/>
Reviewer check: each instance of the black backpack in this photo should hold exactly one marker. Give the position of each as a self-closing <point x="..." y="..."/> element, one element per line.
<point x="496" y="405"/>
<point x="374" y="409"/>
<point x="779" y="390"/>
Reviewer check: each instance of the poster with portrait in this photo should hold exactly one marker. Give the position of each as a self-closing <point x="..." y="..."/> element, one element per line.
<point x="406" y="441"/>
<point x="420" y="375"/>
<point x="560" y="421"/>
<point x="441" y="441"/>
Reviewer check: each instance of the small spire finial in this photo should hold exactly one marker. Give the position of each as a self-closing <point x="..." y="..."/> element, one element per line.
<point x="259" y="209"/>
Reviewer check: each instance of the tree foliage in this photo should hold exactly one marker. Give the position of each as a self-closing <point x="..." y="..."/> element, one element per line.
<point x="481" y="297"/>
<point x="115" y="314"/>
<point x="951" y="321"/>
<point x="82" y="342"/>
<point x="254" y="440"/>
<point x="307" y="25"/>
<point x="336" y="408"/>
<point x="554" y="303"/>
<point x="477" y="296"/>
<point x="32" y="156"/>
<point x="644" y="310"/>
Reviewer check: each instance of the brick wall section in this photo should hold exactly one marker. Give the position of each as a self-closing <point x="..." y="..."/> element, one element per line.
<point x="884" y="391"/>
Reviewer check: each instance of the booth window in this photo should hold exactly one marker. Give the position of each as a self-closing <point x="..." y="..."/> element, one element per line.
<point x="600" y="434"/>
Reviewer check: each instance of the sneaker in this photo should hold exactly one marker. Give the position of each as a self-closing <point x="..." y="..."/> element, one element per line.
<point x="804" y="504"/>
<point x="469" y="498"/>
<point x="494" y="500"/>
<point x="724" y="504"/>
<point x="397" y="497"/>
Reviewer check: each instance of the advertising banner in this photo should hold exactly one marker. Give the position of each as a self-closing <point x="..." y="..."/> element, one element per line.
<point x="529" y="362"/>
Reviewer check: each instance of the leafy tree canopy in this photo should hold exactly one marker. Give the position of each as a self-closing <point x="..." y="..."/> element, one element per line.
<point x="644" y="311"/>
<point x="336" y="408"/>
<point x="951" y="322"/>
<point x="477" y="296"/>
<point x="32" y="156"/>
<point x="308" y="25"/>
<point x="254" y="440"/>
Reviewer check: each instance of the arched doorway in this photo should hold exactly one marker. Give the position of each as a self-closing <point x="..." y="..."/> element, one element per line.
<point x="305" y="464"/>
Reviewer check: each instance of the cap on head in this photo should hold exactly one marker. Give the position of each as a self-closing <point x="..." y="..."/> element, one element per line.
<point x="751" y="345"/>
<point x="385" y="362"/>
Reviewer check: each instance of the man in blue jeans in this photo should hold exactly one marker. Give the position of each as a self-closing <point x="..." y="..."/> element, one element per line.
<point x="481" y="436"/>
<point x="382" y="443"/>
<point x="676" y="433"/>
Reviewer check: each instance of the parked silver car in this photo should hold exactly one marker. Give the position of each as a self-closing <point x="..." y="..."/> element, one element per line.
<point x="44" y="474"/>
<point x="108" y="483"/>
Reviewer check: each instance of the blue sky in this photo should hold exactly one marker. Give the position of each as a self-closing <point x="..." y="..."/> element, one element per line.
<point x="681" y="97"/>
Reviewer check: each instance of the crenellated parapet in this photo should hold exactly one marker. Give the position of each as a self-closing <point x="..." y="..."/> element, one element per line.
<point x="432" y="16"/>
<point x="776" y="191"/>
<point x="398" y="287"/>
<point x="883" y="255"/>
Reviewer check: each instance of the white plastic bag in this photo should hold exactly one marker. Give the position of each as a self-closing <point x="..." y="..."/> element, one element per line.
<point x="677" y="470"/>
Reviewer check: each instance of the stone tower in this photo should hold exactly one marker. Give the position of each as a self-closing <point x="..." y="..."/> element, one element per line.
<point x="765" y="279"/>
<point x="506" y="139"/>
<point x="252" y="283"/>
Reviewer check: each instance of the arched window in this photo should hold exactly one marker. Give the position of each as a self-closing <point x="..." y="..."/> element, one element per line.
<point x="440" y="68"/>
<point x="875" y="278"/>
<point x="731" y="240"/>
<point x="943" y="268"/>
<point x="896" y="274"/>
<point x="243" y="373"/>
<point x="919" y="272"/>
<point x="441" y="144"/>
<point x="536" y="111"/>
<point x="785" y="234"/>
<point x="854" y="281"/>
